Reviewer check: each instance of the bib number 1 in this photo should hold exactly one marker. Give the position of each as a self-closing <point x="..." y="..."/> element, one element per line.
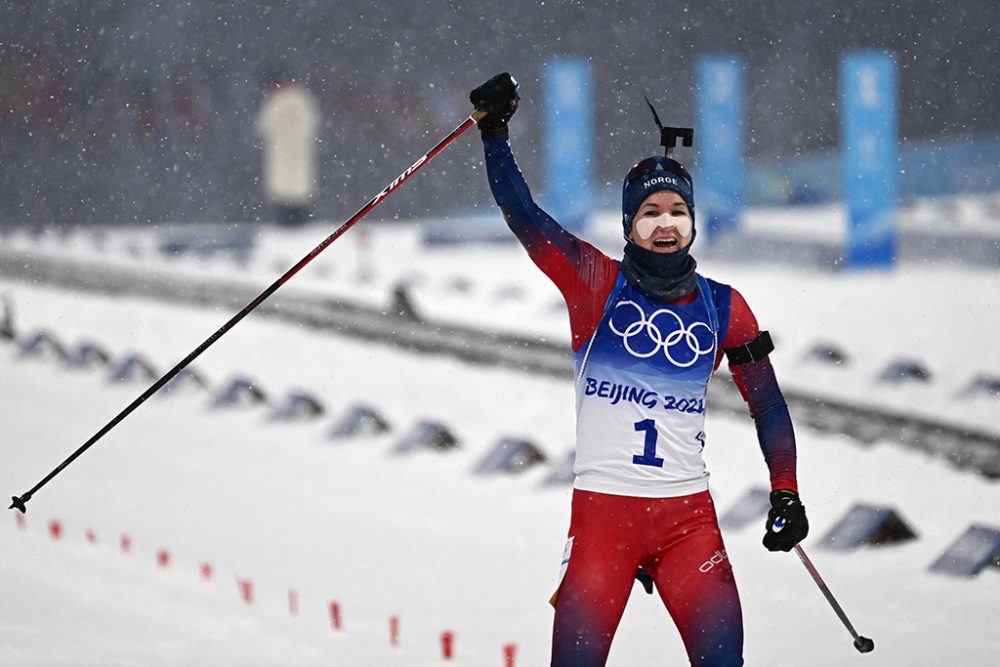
<point x="648" y="456"/>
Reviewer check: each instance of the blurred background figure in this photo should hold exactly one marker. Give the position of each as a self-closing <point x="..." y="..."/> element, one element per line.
<point x="289" y="124"/>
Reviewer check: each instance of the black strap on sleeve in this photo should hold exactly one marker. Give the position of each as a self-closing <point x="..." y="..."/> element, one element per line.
<point x="755" y="350"/>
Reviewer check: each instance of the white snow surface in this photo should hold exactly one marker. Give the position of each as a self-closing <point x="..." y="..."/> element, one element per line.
<point x="420" y="536"/>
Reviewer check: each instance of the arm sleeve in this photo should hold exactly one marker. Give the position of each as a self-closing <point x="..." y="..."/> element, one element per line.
<point x="759" y="387"/>
<point x="583" y="274"/>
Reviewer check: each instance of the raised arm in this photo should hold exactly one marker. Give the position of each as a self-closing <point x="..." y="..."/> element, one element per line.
<point x="582" y="273"/>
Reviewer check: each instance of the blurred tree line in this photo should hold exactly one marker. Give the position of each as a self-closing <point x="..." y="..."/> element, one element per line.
<point x="121" y="112"/>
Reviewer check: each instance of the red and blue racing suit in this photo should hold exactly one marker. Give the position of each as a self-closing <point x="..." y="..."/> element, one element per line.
<point x="641" y="490"/>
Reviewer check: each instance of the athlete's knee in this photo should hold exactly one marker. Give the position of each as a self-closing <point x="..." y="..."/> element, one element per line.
<point x="716" y="643"/>
<point x="582" y="633"/>
<point x="580" y="649"/>
<point x="722" y="660"/>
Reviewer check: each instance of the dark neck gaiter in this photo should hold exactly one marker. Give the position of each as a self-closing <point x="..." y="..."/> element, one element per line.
<point x="665" y="276"/>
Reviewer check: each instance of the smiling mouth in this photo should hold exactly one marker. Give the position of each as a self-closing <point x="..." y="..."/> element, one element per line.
<point x="665" y="243"/>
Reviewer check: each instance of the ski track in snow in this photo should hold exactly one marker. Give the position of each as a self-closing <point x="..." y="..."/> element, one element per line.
<point x="422" y="537"/>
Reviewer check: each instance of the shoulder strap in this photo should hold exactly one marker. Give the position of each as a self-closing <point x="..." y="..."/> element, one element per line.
<point x="612" y="296"/>
<point x="706" y="294"/>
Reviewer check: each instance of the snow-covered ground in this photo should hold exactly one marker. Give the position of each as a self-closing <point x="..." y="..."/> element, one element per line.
<point x="935" y="313"/>
<point x="419" y="536"/>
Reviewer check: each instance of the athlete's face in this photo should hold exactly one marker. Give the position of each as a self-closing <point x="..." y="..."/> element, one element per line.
<point x="662" y="223"/>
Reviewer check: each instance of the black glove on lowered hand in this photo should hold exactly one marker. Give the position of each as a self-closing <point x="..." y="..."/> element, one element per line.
<point x="786" y="521"/>
<point x="498" y="98"/>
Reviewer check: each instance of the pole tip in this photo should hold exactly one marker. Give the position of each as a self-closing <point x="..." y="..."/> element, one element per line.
<point x="19" y="503"/>
<point x="864" y="645"/>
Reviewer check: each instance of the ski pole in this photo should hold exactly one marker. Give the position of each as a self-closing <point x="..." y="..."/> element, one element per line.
<point x="863" y="644"/>
<point x="21" y="501"/>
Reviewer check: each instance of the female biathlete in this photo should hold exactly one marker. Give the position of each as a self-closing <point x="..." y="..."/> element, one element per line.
<point x="647" y="333"/>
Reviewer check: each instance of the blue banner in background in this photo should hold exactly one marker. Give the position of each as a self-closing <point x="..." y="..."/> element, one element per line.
<point x="719" y="140"/>
<point x="568" y="139"/>
<point x="868" y="154"/>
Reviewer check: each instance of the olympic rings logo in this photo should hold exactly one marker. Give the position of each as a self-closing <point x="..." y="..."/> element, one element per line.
<point x="644" y="337"/>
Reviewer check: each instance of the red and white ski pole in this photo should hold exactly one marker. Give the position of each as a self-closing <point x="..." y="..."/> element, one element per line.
<point x="21" y="501"/>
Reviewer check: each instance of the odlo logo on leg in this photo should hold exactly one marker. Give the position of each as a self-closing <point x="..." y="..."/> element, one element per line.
<point x="716" y="558"/>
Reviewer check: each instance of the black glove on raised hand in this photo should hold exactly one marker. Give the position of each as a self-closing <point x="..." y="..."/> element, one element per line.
<point x="786" y="521"/>
<point x="498" y="98"/>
